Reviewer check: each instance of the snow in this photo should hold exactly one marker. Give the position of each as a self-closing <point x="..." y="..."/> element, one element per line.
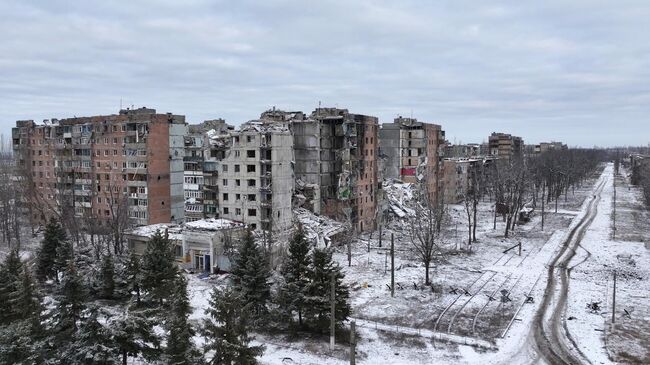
<point x="592" y="279"/>
<point x="174" y="230"/>
<point x="420" y="326"/>
<point x="319" y="229"/>
<point x="212" y="224"/>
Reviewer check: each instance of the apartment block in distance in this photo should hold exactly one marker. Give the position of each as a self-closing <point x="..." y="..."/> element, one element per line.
<point x="133" y="159"/>
<point x="505" y="146"/>
<point x="549" y="146"/>
<point x="412" y="152"/>
<point x="336" y="158"/>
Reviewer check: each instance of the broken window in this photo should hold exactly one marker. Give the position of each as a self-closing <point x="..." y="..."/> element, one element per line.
<point x="252" y="212"/>
<point x="250" y="153"/>
<point x="250" y="168"/>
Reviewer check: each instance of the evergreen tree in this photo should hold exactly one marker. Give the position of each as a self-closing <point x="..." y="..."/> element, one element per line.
<point x="69" y="311"/>
<point x="251" y="274"/>
<point x="64" y="255"/>
<point x="319" y="291"/>
<point x="23" y="341"/>
<point x="92" y="344"/>
<point x="133" y="273"/>
<point x="158" y="268"/>
<point x="295" y="273"/>
<point x="226" y="332"/>
<point x="10" y="271"/>
<point x="53" y="237"/>
<point x="180" y="348"/>
<point x="107" y="278"/>
<point x="134" y="335"/>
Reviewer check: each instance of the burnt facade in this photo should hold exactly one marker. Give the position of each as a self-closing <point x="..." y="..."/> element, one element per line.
<point x="336" y="158"/>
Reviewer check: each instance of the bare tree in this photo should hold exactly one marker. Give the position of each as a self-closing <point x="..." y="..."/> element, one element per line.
<point x="425" y="231"/>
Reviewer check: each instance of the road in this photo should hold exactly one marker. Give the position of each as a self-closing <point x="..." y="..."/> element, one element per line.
<point x="549" y="336"/>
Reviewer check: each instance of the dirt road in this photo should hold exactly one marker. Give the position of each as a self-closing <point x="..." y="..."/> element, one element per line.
<point x="549" y="334"/>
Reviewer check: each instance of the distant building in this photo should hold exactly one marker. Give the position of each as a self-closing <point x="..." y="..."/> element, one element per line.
<point x="505" y="146"/>
<point x="412" y="151"/>
<point x="548" y="146"/>
<point x="463" y="150"/>
<point x="93" y="165"/>
<point x="455" y="173"/>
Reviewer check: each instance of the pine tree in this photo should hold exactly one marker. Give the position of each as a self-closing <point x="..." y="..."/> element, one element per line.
<point x="180" y="348"/>
<point x="24" y="340"/>
<point x="295" y="273"/>
<point x="53" y="238"/>
<point x="92" y="344"/>
<point x="226" y="332"/>
<point x="251" y="275"/>
<point x="319" y="291"/>
<point x="158" y="268"/>
<point x="133" y="273"/>
<point x="64" y="254"/>
<point x="69" y="311"/>
<point x="107" y="278"/>
<point x="134" y="335"/>
<point x="10" y="271"/>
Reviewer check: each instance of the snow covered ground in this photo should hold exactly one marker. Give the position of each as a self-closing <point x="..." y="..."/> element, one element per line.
<point x="463" y="319"/>
<point x="592" y="280"/>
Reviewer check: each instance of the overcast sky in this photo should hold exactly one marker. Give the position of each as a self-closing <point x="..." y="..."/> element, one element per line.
<point x="575" y="71"/>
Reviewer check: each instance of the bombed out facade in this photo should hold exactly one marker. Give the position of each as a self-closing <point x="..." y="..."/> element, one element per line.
<point x="99" y="167"/>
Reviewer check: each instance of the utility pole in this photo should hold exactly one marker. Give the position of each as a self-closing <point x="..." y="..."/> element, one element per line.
<point x="379" y="237"/>
<point x="614" y="301"/>
<point x="353" y="344"/>
<point x="614" y="215"/>
<point x="392" y="265"/>
<point x="332" y="316"/>
<point x="349" y="253"/>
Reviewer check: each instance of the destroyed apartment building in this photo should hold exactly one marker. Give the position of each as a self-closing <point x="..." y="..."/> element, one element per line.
<point x="336" y="165"/>
<point x="413" y="151"/>
<point x="255" y="177"/>
<point x="103" y="166"/>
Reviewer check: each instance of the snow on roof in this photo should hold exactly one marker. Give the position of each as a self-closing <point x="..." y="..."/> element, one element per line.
<point x="212" y="224"/>
<point x="174" y="231"/>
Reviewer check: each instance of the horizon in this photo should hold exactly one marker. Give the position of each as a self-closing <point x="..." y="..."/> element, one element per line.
<point x="569" y="72"/>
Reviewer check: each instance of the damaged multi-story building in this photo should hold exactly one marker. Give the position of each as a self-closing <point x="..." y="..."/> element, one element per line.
<point x="336" y="165"/>
<point x="102" y="166"/>
<point x="505" y="146"/>
<point x="412" y="152"/>
<point x="205" y="145"/>
<point x="255" y="176"/>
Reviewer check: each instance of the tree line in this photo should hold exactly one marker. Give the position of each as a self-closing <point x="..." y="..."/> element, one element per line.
<point x="67" y="307"/>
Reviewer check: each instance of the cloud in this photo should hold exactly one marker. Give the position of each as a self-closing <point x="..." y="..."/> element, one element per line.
<point x="575" y="71"/>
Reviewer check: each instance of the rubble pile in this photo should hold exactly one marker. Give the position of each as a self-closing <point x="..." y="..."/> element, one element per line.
<point x="319" y="229"/>
<point x="399" y="196"/>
